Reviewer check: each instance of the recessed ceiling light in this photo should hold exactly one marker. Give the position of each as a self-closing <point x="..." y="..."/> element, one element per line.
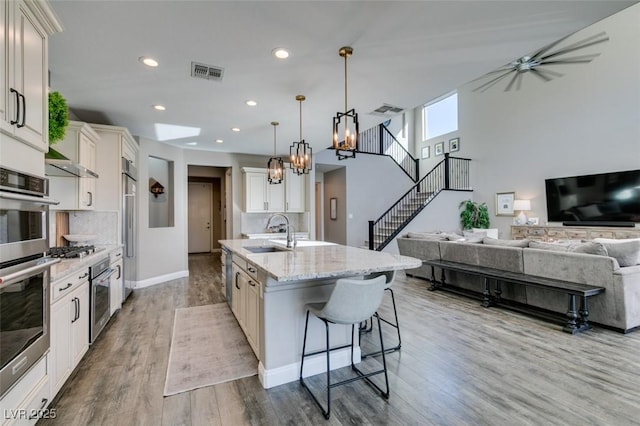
<point x="160" y="107"/>
<point x="280" y="53"/>
<point x="251" y="103"/>
<point x="219" y="141"/>
<point x="191" y="143"/>
<point x="235" y="129"/>
<point x="150" y="62"/>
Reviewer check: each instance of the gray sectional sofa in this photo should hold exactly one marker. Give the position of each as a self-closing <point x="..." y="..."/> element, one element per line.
<point x="618" y="307"/>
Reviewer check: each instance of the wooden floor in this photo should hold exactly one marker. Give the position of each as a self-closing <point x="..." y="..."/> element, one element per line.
<point x="460" y="364"/>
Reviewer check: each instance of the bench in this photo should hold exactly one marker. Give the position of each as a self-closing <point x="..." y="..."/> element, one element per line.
<point x="577" y="320"/>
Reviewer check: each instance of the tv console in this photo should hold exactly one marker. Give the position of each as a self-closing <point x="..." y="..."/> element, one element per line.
<point x="600" y="223"/>
<point x="554" y="233"/>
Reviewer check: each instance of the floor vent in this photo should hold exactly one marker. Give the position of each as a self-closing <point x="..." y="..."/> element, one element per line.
<point x="387" y="109"/>
<point x="206" y="72"/>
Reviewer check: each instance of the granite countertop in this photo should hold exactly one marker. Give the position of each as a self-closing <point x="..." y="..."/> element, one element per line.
<point x="69" y="266"/>
<point x="318" y="261"/>
<point x="270" y="235"/>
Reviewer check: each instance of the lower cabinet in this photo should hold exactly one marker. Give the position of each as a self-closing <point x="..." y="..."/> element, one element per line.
<point x="28" y="400"/>
<point x="69" y="329"/>
<point x="245" y="304"/>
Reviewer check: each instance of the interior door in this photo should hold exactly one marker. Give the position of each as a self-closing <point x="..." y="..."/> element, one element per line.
<point x="200" y="219"/>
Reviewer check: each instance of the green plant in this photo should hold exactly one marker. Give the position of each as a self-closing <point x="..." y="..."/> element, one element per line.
<point x="58" y="117"/>
<point x="474" y="215"/>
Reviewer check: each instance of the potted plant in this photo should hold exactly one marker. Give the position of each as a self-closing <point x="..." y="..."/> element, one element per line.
<point x="474" y="215"/>
<point x="58" y="117"/>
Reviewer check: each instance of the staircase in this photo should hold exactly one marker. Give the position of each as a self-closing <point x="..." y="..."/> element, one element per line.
<point x="380" y="141"/>
<point x="451" y="173"/>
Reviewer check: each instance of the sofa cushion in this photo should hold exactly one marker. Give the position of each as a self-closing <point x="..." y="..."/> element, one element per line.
<point x="548" y="246"/>
<point x="427" y="236"/>
<point x="626" y="252"/>
<point x="507" y="243"/>
<point x="589" y="247"/>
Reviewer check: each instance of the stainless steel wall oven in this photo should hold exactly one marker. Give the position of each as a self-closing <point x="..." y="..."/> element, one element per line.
<point x="24" y="273"/>
<point x="99" y="280"/>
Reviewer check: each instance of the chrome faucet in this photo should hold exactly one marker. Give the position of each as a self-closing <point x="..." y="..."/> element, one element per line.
<point x="291" y="236"/>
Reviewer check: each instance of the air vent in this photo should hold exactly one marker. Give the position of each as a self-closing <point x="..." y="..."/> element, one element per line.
<point x="387" y="109"/>
<point x="206" y="72"/>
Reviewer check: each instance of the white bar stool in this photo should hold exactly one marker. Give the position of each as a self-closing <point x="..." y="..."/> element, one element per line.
<point x="352" y="301"/>
<point x="390" y="276"/>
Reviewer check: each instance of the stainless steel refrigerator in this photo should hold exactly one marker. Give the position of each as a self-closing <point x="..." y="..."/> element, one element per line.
<point x="129" y="176"/>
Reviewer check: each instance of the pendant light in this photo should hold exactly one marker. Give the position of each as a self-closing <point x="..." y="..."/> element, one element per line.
<point x="275" y="166"/>
<point x="345" y="143"/>
<point x="301" y="156"/>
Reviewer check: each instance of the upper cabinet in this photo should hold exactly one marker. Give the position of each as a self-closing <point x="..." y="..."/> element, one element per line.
<point x="262" y="197"/>
<point x="25" y="28"/>
<point x="79" y="146"/>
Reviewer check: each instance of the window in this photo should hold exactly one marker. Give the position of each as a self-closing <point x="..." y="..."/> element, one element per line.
<point x="440" y="116"/>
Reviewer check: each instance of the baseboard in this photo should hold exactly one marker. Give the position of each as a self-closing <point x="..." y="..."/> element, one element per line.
<point x="312" y="366"/>
<point x="161" y="279"/>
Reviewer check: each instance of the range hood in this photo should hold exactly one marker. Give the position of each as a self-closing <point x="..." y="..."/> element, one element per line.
<point x="57" y="164"/>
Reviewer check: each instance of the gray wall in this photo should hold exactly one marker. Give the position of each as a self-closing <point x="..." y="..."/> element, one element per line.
<point x="335" y="231"/>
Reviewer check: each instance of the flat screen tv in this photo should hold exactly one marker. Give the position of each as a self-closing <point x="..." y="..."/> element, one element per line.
<point x="602" y="199"/>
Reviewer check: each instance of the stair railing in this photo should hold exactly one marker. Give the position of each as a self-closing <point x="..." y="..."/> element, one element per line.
<point x="452" y="173"/>
<point x="380" y="141"/>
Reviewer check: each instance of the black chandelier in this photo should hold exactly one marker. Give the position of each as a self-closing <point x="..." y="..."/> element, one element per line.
<point x="345" y="144"/>
<point x="301" y="156"/>
<point x="275" y="166"/>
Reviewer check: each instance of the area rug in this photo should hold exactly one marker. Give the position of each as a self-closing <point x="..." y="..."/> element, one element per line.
<point x="207" y="347"/>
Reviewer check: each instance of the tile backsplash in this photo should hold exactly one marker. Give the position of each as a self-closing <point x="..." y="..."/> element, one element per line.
<point x="102" y="224"/>
<point x="256" y="223"/>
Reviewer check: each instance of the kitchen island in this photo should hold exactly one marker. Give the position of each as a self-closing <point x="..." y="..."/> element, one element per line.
<point x="270" y="286"/>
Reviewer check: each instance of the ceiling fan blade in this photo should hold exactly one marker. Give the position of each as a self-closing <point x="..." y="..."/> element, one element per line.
<point x="584" y="59"/>
<point x="505" y="68"/>
<point x="519" y="83"/>
<point x="548" y="47"/>
<point x="550" y="72"/>
<point x="539" y="74"/>
<point x="513" y="80"/>
<point x="590" y="41"/>
<point x="491" y="82"/>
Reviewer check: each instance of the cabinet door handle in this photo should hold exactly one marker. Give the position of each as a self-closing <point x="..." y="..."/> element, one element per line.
<point x="237" y="274"/>
<point x="119" y="272"/>
<point x="65" y="288"/>
<point x="90" y="203"/>
<point x="78" y="301"/>
<point x="252" y="284"/>
<point x="24" y="111"/>
<point x="38" y="411"/>
<point x="75" y="310"/>
<point x="17" y="120"/>
<point x="287" y="205"/>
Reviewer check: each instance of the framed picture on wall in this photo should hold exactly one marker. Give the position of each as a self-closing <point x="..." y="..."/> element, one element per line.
<point x="454" y="145"/>
<point x="333" y="208"/>
<point x="426" y="152"/>
<point x="504" y="203"/>
<point x="439" y="148"/>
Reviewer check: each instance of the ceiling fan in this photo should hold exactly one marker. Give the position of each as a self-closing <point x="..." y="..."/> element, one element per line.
<point x="535" y="63"/>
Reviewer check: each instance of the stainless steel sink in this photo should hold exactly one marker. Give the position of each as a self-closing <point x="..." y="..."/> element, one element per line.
<point x="265" y="249"/>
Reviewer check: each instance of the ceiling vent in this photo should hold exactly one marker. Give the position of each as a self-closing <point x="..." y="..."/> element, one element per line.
<point x="206" y="72"/>
<point x="387" y="110"/>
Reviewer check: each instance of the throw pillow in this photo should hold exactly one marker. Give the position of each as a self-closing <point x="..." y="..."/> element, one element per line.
<point x="590" y="247"/>
<point x="453" y="237"/>
<point x="507" y="243"/>
<point x="426" y="236"/>
<point x="548" y="246"/>
<point x="626" y="252"/>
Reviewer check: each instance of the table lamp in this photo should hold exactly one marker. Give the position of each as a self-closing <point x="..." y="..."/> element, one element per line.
<point x="522" y="205"/>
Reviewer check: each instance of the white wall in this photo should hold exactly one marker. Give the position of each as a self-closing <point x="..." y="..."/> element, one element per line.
<point x="162" y="252"/>
<point x="587" y="121"/>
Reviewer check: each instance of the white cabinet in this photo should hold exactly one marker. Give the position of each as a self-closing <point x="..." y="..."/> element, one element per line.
<point x="79" y="145"/>
<point x="69" y="326"/>
<point x="25" y="403"/>
<point x="262" y="197"/>
<point x="245" y="302"/>
<point x="117" y="281"/>
<point x="24" y="106"/>
<point x="295" y="192"/>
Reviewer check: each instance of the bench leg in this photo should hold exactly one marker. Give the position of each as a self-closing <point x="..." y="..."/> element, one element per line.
<point x="498" y="290"/>
<point x="486" y="294"/>
<point x="434" y="284"/>
<point x="583" y="322"/>
<point x="572" y="316"/>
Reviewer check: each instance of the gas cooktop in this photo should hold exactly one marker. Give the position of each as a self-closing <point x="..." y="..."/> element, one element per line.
<point x="69" y="252"/>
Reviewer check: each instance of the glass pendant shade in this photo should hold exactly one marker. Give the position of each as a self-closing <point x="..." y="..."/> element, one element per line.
<point x="345" y="124"/>
<point x="301" y="156"/>
<point x="275" y="165"/>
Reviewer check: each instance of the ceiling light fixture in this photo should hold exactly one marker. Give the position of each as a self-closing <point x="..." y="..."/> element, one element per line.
<point x="219" y="141"/>
<point x="301" y="156"/>
<point x="251" y="103"/>
<point x="191" y="143"/>
<point x="160" y="107"/>
<point x="235" y="129"/>
<point x="150" y="62"/>
<point x="346" y="144"/>
<point x="275" y="165"/>
<point x="280" y="53"/>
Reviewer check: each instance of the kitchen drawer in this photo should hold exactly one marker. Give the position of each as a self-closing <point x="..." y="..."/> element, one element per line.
<point x="18" y="397"/>
<point x="116" y="255"/>
<point x="67" y="284"/>
<point x="36" y="405"/>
